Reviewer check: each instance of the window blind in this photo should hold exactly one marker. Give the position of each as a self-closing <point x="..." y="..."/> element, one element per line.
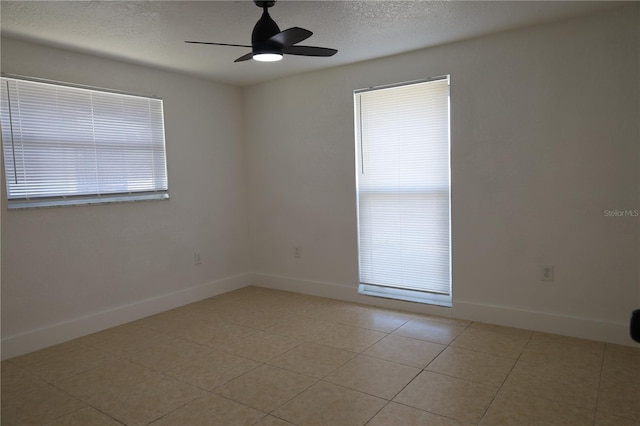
<point x="71" y="145"/>
<point x="402" y="149"/>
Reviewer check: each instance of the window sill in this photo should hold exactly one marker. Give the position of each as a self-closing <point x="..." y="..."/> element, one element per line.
<point x="83" y="201"/>
<point x="405" y="295"/>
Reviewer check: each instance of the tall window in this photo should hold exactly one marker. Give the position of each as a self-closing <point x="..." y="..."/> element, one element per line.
<point x="402" y="151"/>
<point x="65" y="145"/>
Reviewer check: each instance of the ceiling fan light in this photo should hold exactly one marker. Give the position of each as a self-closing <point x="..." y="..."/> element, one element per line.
<point x="267" y="57"/>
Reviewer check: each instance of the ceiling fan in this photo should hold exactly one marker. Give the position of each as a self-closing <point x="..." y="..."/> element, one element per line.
<point x="269" y="44"/>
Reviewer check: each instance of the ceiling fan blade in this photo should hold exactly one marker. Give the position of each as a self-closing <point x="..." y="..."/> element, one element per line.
<point x="308" y="51"/>
<point x="291" y="36"/>
<point x="218" y="44"/>
<point x="245" y="57"/>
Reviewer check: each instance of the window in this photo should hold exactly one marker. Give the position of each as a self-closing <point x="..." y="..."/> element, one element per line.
<point x="402" y="151"/>
<point x="65" y="144"/>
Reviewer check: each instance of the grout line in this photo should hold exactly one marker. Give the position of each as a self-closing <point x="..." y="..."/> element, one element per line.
<point x="500" y="388"/>
<point x="595" y="414"/>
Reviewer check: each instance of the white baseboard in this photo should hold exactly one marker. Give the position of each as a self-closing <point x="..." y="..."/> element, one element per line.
<point x="77" y="327"/>
<point x="585" y="328"/>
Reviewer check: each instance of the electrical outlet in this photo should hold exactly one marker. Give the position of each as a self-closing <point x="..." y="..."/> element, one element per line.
<point x="546" y="272"/>
<point x="297" y="251"/>
<point x="196" y="258"/>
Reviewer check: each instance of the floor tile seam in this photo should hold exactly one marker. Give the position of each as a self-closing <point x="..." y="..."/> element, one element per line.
<point x="426" y="411"/>
<point x="477" y="351"/>
<point x="522" y="350"/>
<point x="298" y="344"/>
<point x="23" y="394"/>
<point x="259" y="364"/>
<point x="157" y="347"/>
<point x="233" y="322"/>
<point x="106" y="414"/>
<point x="442" y="320"/>
<point x="507" y="329"/>
<point x="18" y="364"/>
<point x="316" y="381"/>
<point x="389" y="332"/>
<point x="209" y="394"/>
<point x="294" y="396"/>
<point x="309" y="375"/>
<point x="500" y="388"/>
<point x="186" y="382"/>
<point x="611" y="348"/>
<point x="633" y="381"/>
<point x="363" y="328"/>
<point x="364" y="349"/>
<point x="25" y="370"/>
<point x="302" y="374"/>
<point x="86" y="404"/>
<point x="419" y="340"/>
<point x="273" y="415"/>
<point x="463" y="345"/>
<point x="573" y="352"/>
<point x="46" y="385"/>
<point x="559" y="366"/>
<point x="156" y="374"/>
<point x="564" y="344"/>
<point x="394" y="333"/>
<point x="555" y="401"/>
<point x="600" y="379"/>
<point x="353" y="390"/>
<point x="326" y="346"/>
<point x="515" y="362"/>
<point x="218" y="320"/>
<point x="305" y="338"/>
<point x="227" y="351"/>
<point x="617" y="370"/>
<point x="403" y="387"/>
<point x="398" y="362"/>
<point x="496" y="387"/>
<point x="385" y="360"/>
<point x="459" y="334"/>
<point x="52" y="381"/>
<point x="439" y="353"/>
<point x="550" y="399"/>
<point x="83" y="401"/>
<point x="128" y="353"/>
<point x="377" y="412"/>
<point x="618" y="416"/>
<point x="342" y="348"/>
<point x="482" y="327"/>
<point x="164" y="373"/>
<point x="486" y="409"/>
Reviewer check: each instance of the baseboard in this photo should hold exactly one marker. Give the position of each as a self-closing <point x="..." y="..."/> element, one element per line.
<point x="585" y="328"/>
<point x="77" y="327"/>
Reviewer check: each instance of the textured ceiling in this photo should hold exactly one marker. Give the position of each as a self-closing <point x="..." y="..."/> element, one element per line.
<point x="153" y="32"/>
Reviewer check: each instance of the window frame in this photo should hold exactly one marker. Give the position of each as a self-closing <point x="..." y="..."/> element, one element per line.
<point x="154" y="146"/>
<point x="395" y="291"/>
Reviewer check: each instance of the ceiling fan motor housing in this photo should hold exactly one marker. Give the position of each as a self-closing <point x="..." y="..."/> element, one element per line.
<point x="264" y="29"/>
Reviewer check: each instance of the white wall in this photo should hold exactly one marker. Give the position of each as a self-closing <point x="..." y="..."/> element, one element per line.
<point x="70" y="271"/>
<point x="544" y="133"/>
<point x="544" y="138"/>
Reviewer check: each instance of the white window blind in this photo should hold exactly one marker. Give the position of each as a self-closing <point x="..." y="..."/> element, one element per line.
<point x="71" y="145"/>
<point x="402" y="148"/>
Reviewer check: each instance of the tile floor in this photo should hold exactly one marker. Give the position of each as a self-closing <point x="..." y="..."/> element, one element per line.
<point x="263" y="357"/>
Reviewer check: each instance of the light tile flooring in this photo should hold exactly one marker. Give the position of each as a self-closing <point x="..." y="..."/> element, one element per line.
<point x="266" y="357"/>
